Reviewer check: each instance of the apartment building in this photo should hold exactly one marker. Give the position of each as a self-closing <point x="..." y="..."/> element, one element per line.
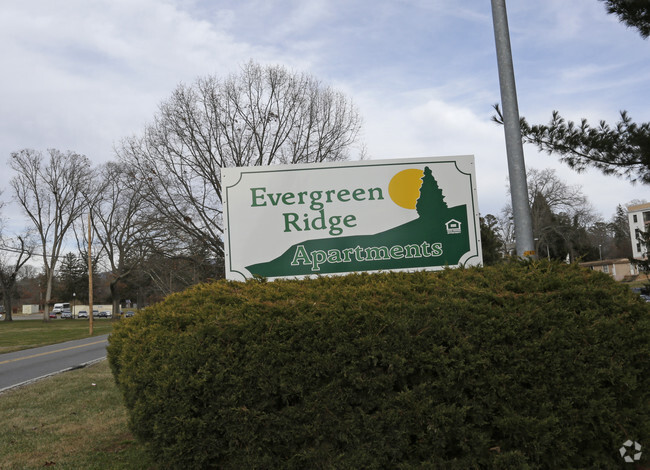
<point x="639" y="220"/>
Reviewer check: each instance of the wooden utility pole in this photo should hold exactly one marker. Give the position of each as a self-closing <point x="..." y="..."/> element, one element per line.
<point x="90" y="279"/>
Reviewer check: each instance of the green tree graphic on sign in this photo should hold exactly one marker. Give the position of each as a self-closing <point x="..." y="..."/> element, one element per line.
<point x="431" y="200"/>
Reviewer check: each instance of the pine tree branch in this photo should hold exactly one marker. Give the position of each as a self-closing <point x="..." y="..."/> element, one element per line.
<point x="622" y="150"/>
<point x="634" y="13"/>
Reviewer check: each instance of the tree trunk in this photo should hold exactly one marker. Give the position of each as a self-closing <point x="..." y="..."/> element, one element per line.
<point x="115" y="298"/>
<point x="6" y="302"/>
<point x="48" y="295"/>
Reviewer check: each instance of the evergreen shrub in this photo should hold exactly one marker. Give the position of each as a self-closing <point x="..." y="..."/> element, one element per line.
<point x="521" y="365"/>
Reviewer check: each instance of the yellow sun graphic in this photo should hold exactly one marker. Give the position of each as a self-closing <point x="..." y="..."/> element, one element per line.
<point x="404" y="187"/>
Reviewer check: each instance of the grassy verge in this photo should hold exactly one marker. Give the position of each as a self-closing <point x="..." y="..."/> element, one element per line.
<point x="24" y="334"/>
<point x="74" y="420"/>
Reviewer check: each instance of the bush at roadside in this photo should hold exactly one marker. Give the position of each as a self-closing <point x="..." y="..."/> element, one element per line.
<point x="522" y="365"/>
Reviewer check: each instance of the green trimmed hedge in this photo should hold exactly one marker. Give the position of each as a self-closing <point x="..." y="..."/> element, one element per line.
<point x="522" y="365"/>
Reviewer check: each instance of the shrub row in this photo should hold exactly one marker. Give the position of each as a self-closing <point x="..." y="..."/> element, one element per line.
<point x="523" y="365"/>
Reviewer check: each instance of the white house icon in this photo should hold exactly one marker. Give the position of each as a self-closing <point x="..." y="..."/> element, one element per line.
<point x="453" y="226"/>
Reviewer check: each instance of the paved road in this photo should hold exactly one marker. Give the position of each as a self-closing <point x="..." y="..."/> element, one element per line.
<point x="23" y="367"/>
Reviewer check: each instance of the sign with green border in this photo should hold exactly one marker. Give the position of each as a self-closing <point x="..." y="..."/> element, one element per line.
<point x="336" y="218"/>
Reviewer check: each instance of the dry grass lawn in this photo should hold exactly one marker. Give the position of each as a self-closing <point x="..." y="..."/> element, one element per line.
<point x="75" y="420"/>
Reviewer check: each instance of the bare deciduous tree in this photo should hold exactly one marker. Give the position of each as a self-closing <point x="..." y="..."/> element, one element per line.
<point x="51" y="193"/>
<point x="558" y="211"/>
<point x="262" y="116"/>
<point x="14" y="253"/>
<point x="124" y="226"/>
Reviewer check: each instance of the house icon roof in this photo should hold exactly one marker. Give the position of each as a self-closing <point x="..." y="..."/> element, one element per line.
<point x="453" y="226"/>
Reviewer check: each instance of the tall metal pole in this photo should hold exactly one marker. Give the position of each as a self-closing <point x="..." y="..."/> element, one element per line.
<point x="524" y="243"/>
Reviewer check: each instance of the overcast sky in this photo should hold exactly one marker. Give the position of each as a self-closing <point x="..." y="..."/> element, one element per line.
<point x="81" y="75"/>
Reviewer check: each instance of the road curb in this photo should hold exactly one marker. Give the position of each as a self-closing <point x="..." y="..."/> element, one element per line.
<point x="67" y="369"/>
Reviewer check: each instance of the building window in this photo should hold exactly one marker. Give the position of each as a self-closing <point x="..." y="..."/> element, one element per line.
<point x="605" y="269"/>
<point x="638" y="247"/>
<point x="635" y="218"/>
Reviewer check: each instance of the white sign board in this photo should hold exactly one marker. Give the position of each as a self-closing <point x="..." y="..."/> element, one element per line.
<point x="334" y="218"/>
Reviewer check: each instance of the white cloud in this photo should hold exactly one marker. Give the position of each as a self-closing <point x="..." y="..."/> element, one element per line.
<point x="425" y="125"/>
<point x="82" y="75"/>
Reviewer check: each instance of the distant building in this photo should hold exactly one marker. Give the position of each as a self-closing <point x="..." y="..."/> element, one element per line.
<point x="619" y="269"/>
<point x="27" y="309"/>
<point x="639" y="220"/>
